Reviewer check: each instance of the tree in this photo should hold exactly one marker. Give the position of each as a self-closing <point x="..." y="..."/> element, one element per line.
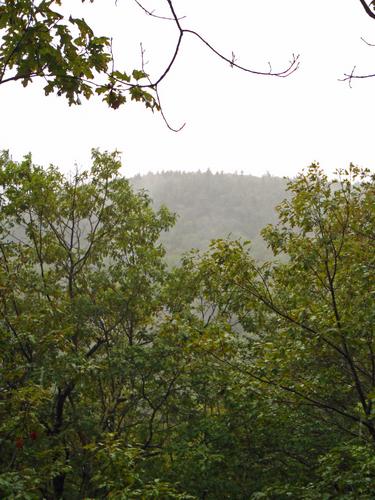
<point x="306" y="331"/>
<point x="325" y="290"/>
<point x="81" y="274"/>
<point x="38" y="42"/>
<point x="222" y="377"/>
<point x="110" y="366"/>
<point x="110" y="382"/>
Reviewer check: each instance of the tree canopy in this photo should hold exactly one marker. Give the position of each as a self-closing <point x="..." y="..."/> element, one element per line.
<point x="220" y="378"/>
<point x="210" y="206"/>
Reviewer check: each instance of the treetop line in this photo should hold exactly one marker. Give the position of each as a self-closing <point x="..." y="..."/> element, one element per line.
<point x="222" y="377"/>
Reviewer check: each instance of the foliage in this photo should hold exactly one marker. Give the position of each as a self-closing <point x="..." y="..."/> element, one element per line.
<point x="221" y="378"/>
<point x="37" y="41"/>
<point x="80" y="282"/>
<point x="308" y="323"/>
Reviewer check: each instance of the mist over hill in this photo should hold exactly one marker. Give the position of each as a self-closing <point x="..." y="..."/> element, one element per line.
<point x="214" y="206"/>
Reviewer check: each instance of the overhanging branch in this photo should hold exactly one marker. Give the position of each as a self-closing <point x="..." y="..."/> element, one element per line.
<point x="367" y="8"/>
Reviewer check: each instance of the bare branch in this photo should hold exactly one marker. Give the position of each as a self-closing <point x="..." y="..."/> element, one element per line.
<point x="152" y="13"/>
<point x="292" y="67"/>
<point x="293" y="64"/>
<point x="367" y="8"/>
<point x="173" y="129"/>
<point x="348" y="77"/>
<point x="367" y="43"/>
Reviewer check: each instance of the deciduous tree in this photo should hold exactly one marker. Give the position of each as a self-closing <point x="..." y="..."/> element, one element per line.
<point x="38" y="42"/>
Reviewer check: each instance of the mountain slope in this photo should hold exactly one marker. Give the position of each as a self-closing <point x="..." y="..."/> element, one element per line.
<point x="214" y="206"/>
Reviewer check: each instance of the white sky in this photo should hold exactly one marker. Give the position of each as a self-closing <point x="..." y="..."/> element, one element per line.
<point x="235" y="121"/>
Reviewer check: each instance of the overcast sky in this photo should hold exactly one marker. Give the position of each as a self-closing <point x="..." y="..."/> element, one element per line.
<point x="234" y="121"/>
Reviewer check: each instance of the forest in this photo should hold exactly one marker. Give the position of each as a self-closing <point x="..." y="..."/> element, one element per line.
<point x="210" y="206"/>
<point x="221" y="376"/>
<point x="182" y="336"/>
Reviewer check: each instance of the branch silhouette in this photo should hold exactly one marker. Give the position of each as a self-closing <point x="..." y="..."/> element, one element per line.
<point x="369" y="8"/>
<point x="76" y="72"/>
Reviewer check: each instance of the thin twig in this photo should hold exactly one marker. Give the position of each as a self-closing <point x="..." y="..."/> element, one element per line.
<point x="158" y="96"/>
<point x="367" y="43"/>
<point x="152" y="13"/>
<point x="351" y="76"/>
<point x="152" y="85"/>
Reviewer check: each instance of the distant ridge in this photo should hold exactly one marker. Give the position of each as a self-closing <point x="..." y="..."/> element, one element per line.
<point x="214" y="206"/>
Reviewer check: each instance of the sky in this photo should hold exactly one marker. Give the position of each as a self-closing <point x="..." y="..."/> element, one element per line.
<point x="235" y="121"/>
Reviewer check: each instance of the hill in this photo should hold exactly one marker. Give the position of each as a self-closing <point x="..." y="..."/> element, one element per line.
<point x="214" y="206"/>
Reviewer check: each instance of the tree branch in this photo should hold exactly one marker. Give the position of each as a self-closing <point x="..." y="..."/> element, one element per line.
<point x="152" y="13"/>
<point x="293" y="65"/>
<point x="118" y="84"/>
<point x="367" y="8"/>
<point x="348" y="77"/>
<point x="173" y="129"/>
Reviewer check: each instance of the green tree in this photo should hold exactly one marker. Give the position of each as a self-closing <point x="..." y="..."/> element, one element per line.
<point x="306" y="326"/>
<point x="81" y="274"/>
<point x="109" y="379"/>
<point x="324" y="294"/>
<point x="222" y="378"/>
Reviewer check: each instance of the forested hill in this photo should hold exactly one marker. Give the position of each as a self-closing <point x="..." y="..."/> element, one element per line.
<point x="214" y="206"/>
